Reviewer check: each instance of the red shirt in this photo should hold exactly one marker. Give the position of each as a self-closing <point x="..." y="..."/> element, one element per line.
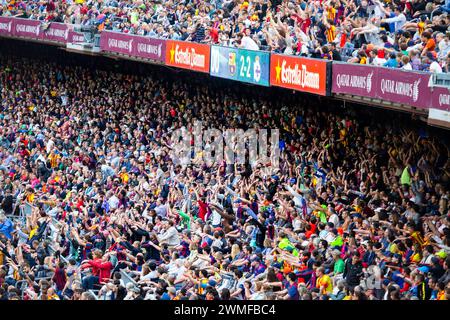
<point x="202" y="210"/>
<point x="50" y="6"/>
<point x="309" y="233"/>
<point x="100" y="269"/>
<point x="303" y="23"/>
<point x="215" y="35"/>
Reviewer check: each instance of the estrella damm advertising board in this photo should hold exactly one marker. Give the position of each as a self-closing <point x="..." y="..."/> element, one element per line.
<point x="188" y="55"/>
<point x="298" y="73"/>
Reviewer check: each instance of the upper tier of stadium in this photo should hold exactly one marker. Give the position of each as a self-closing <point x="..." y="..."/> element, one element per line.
<point x="411" y="35"/>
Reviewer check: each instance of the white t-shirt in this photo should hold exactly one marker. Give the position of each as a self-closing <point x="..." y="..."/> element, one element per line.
<point x="151" y="275"/>
<point x="427" y="260"/>
<point x="297" y="224"/>
<point x="113" y="202"/>
<point x="334" y="219"/>
<point x="216" y="218"/>
<point x="444" y="49"/>
<point x="407" y="66"/>
<point x="378" y="61"/>
<point x="330" y="237"/>
<point x="399" y="21"/>
<point x="372" y="34"/>
<point x="217" y="243"/>
<point x="435" y="67"/>
<point x="170" y="237"/>
<point x="161" y="210"/>
<point x="50" y="145"/>
<point x="249" y="43"/>
<point x="176" y="268"/>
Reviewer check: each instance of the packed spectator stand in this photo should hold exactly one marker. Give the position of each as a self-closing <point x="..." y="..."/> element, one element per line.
<point x="94" y="205"/>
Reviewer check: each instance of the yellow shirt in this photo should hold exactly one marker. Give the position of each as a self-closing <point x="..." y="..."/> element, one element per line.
<point x="416" y="258"/>
<point x="421" y="27"/>
<point x="53" y="160"/>
<point x="331" y="13"/>
<point x="30" y="198"/>
<point x="32" y="233"/>
<point x="69" y="194"/>
<point x="393" y="248"/>
<point x="330" y="33"/>
<point x="325" y="284"/>
<point x="124" y="177"/>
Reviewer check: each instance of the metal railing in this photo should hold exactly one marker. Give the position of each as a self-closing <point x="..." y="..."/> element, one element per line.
<point x="441" y="80"/>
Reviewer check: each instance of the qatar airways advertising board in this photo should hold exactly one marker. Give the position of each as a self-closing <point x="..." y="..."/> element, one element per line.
<point x="133" y="45"/>
<point x="394" y="85"/>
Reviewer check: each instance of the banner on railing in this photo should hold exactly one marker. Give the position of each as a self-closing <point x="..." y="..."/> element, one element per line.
<point x="75" y="37"/>
<point x="224" y="62"/>
<point x="440" y="98"/>
<point x="57" y="32"/>
<point x="254" y="67"/>
<point x="409" y="88"/>
<point x="188" y="55"/>
<point x="257" y="67"/>
<point x="394" y="85"/>
<point x="354" y="79"/>
<point x="27" y="28"/>
<point x="6" y="25"/>
<point x="297" y="73"/>
<point x="33" y="29"/>
<point x="133" y="45"/>
<point x="240" y="64"/>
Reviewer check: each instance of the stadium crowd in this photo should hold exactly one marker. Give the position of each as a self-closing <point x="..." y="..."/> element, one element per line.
<point x="95" y="206"/>
<point x="407" y="34"/>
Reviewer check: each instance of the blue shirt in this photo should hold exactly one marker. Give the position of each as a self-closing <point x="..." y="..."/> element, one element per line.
<point x="292" y="291"/>
<point x="392" y="24"/>
<point x="259" y="269"/>
<point x="165" y="296"/>
<point x="391" y="63"/>
<point x="6" y="228"/>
